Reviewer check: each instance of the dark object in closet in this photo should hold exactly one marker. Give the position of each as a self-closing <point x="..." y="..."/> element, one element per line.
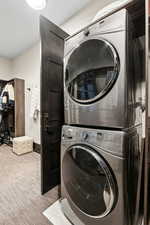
<point x="2" y="85"/>
<point x="52" y="116"/>
<point x="6" y="114"/>
<point x="6" y="127"/>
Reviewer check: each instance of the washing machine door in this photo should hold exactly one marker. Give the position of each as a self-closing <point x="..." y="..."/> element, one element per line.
<point x="89" y="182"/>
<point x="91" y="70"/>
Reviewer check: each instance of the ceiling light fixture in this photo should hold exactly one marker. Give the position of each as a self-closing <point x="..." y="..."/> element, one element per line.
<point x="37" y="4"/>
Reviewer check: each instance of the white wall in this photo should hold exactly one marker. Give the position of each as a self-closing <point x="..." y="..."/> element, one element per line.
<point x="5" y="69"/>
<point x="85" y="16"/>
<point x="27" y="67"/>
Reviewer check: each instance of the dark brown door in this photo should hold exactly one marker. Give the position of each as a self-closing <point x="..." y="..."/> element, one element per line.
<point x="52" y="107"/>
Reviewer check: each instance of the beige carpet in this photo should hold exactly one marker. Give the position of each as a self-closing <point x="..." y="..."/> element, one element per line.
<point x="20" y="200"/>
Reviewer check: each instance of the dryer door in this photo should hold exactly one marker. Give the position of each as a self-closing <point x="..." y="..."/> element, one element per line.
<point x="91" y="70"/>
<point x="89" y="181"/>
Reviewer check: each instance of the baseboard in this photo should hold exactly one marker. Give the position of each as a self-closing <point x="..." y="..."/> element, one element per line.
<point x="37" y="148"/>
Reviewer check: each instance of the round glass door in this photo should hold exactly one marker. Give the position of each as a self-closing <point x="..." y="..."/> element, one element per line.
<point x="91" y="70"/>
<point x="88" y="181"/>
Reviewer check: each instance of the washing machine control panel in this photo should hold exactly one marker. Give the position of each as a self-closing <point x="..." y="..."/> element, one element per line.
<point x="68" y="133"/>
<point x="82" y="135"/>
<point x="111" y="141"/>
<point x="91" y="136"/>
<point x="85" y="135"/>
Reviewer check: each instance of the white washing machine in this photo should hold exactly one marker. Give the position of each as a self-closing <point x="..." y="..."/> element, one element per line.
<point x="101" y="86"/>
<point x="99" y="175"/>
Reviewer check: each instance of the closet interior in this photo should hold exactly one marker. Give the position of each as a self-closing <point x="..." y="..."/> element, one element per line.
<point x="12" y="110"/>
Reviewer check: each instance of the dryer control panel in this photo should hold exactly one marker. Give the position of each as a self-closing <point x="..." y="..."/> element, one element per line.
<point x="113" y="23"/>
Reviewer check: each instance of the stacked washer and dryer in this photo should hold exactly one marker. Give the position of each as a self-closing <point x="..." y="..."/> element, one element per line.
<point x="101" y="139"/>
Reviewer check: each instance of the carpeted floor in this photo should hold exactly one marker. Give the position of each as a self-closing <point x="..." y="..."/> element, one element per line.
<point x="20" y="200"/>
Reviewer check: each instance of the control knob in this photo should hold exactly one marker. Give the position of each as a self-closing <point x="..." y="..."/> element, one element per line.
<point x="85" y="136"/>
<point x="68" y="134"/>
<point x="86" y="32"/>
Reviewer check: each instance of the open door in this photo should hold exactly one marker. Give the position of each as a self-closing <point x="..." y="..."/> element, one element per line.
<point x="52" y="107"/>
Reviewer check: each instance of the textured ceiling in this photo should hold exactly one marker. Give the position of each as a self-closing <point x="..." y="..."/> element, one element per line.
<point x="20" y="24"/>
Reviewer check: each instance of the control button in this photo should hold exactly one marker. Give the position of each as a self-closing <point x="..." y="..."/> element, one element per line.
<point x="85" y="136"/>
<point x="68" y="134"/>
<point x="99" y="135"/>
<point x="86" y="32"/>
